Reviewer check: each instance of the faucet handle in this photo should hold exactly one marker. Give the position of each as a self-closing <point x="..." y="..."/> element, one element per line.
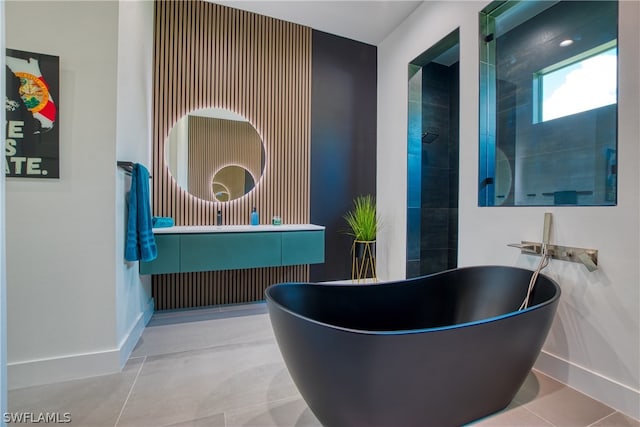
<point x="527" y="247"/>
<point x="546" y="232"/>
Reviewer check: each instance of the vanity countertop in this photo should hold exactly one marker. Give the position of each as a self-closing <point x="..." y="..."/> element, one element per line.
<point x="185" y="229"/>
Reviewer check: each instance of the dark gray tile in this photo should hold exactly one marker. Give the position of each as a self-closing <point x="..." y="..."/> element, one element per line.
<point x="413" y="233"/>
<point x="433" y="261"/>
<point x="453" y="229"/>
<point x="414" y="178"/>
<point x="454" y="181"/>
<point x="436" y="76"/>
<point x="434" y="229"/>
<point x="413" y="268"/>
<point x="435" y="188"/>
<point x="453" y="259"/>
<point x="435" y="149"/>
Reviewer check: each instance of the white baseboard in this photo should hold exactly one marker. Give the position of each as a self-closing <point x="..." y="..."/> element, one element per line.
<point x="45" y="371"/>
<point x="75" y="366"/>
<point x="130" y="340"/>
<point x="608" y="391"/>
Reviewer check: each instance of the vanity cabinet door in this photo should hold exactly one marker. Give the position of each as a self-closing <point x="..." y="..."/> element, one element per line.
<point x="168" y="260"/>
<point x="229" y="251"/>
<point x="302" y="247"/>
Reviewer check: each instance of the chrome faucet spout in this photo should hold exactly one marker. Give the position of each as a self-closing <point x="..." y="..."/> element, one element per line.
<point x="587" y="261"/>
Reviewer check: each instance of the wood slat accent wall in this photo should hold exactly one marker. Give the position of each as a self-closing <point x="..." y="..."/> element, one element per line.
<point x="208" y="55"/>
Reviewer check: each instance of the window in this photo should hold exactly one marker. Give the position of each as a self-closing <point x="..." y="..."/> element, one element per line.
<point x="578" y="84"/>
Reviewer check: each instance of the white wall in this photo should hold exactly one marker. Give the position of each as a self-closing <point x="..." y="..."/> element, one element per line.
<point x="71" y="301"/>
<point x="134" y="305"/>
<point x="3" y="266"/>
<point x="594" y="344"/>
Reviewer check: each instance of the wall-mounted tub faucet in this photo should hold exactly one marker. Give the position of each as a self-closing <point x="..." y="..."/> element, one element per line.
<point x="586" y="257"/>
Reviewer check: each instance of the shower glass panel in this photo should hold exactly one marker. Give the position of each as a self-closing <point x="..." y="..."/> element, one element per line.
<point x="548" y="103"/>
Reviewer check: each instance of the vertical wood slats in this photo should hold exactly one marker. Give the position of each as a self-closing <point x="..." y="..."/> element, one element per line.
<point x="208" y="55"/>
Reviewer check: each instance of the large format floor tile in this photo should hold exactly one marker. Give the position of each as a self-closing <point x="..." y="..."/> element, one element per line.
<point x="191" y="385"/>
<point x="567" y="407"/>
<point x="221" y="367"/>
<point x="513" y="417"/>
<point x="286" y="412"/>
<point x="616" y="420"/>
<point x="217" y="420"/>
<point x="173" y="332"/>
<point x="95" y="401"/>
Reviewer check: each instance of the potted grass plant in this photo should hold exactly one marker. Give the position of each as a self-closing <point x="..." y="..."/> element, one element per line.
<point x="363" y="223"/>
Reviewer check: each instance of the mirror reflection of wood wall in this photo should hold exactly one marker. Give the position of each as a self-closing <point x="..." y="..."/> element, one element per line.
<point x="217" y="143"/>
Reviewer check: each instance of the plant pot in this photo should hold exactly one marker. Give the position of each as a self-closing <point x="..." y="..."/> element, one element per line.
<point x="360" y="248"/>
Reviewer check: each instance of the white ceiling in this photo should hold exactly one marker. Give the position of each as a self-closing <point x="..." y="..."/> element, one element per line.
<point x="362" y="20"/>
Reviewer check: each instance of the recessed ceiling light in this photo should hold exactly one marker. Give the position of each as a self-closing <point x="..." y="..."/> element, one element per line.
<point x="565" y="43"/>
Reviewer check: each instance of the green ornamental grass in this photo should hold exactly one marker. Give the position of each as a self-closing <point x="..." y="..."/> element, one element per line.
<point x="362" y="219"/>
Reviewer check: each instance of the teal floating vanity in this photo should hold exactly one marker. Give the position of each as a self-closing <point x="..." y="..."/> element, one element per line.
<point x="184" y="249"/>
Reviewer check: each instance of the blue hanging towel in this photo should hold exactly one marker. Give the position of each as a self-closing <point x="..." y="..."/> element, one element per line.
<point x="141" y="244"/>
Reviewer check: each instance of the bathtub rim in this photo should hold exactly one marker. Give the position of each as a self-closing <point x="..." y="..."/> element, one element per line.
<point x="492" y="319"/>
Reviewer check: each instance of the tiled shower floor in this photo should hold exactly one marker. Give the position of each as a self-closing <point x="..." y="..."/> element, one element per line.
<point x="221" y="367"/>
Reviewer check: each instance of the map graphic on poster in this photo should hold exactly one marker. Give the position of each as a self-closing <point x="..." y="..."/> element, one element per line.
<point x="32" y="134"/>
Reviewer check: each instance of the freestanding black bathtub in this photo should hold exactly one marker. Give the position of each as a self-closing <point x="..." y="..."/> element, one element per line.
<point x="435" y="351"/>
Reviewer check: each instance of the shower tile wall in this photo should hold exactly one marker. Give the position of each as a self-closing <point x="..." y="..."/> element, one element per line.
<point x="454" y="161"/>
<point x="439" y="169"/>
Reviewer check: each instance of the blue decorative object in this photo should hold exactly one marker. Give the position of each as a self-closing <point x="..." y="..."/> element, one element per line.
<point x="140" y="243"/>
<point x="162" y="222"/>
<point x="255" y="219"/>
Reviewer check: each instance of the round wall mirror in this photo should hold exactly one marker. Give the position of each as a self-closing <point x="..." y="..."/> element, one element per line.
<point x="215" y="154"/>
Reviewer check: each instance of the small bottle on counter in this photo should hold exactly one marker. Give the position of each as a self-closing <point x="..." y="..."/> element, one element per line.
<point x="219" y="217"/>
<point x="255" y="219"/>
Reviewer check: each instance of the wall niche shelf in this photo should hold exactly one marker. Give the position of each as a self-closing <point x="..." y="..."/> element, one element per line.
<point x="185" y="249"/>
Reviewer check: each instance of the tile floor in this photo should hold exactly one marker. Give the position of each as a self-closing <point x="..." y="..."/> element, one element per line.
<point x="221" y="367"/>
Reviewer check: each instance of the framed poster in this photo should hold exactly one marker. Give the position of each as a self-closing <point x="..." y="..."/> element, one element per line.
<point x="32" y="145"/>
